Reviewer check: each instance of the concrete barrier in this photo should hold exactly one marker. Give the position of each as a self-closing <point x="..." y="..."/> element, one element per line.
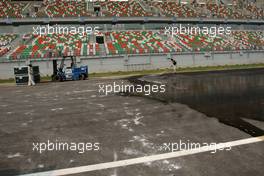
<point x="143" y="62"/>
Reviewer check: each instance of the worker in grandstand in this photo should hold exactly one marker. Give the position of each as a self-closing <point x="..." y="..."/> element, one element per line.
<point x="30" y="76"/>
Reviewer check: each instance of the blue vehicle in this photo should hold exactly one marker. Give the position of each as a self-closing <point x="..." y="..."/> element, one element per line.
<point x="72" y="73"/>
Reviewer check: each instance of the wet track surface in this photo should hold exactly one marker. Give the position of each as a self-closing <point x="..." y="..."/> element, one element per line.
<point x="229" y="96"/>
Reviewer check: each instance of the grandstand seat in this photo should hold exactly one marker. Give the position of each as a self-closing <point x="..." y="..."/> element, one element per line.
<point x="124" y="8"/>
<point x="136" y="42"/>
<point x="174" y="9"/>
<point x="5" y="41"/>
<point x="57" y="45"/>
<point x="256" y="13"/>
<point x="4" y="50"/>
<point x="169" y="8"/>
<point x="238" y="40"/>
<point x="11" y="9"/>
<point x="66" y="9"/>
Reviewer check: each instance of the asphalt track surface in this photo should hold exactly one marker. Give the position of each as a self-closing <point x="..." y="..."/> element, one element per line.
<point x="126" y="127"/>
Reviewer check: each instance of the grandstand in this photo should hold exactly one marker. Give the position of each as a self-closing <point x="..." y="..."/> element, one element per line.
<point x="128" y="29"/>
<point x="126" y="8"/>
<point x="134" y="8"/>
<point x="10" y="9"/>
<point x="66" y="9"/>
<point x="130" y="42"/>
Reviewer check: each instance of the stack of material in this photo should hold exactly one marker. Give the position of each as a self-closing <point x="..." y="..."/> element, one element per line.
<point x="21" y="75"/>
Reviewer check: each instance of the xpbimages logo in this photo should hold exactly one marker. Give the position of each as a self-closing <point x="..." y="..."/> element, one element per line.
<point x="188" y="145"/>
<point x="147" y="89"/>
<point x="57" y="29"/>
<point x="212" y="31"/>
<point x="80" y="147"/>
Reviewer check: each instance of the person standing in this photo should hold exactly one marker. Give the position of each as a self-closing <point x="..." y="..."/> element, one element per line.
<point x="30" y="76"/>
<point x="174" y="64"/>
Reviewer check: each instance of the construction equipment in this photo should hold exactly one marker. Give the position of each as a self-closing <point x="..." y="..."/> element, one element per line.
<point x="69" y="73"/>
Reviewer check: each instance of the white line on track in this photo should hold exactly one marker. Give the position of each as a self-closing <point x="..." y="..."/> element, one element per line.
<point x="83" y="91"/>
<point x="128" y="162"/>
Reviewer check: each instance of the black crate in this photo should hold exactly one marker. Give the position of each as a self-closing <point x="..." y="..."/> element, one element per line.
<point x="35" y="70"/>
<point x="23" y="79"/>
<point x="23" y="70"/>
<point x="37" y="78"/>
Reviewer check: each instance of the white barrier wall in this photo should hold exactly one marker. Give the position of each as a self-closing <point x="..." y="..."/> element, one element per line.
<point x="7" y="69"/>
<point x="145" y="62"/>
